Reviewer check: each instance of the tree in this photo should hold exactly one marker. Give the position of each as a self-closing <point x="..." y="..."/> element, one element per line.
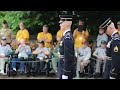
<point x="34" y="20"/>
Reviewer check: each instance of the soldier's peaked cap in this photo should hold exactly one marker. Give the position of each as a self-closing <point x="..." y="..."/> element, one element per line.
<point x="106" y="23"/>
<point x="65" y="18"/>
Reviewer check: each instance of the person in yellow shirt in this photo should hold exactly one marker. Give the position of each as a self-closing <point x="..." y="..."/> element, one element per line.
<point x="22" y="33"/>
<point x="45" y="36"/>
<point x="118" y="26"/>
<point x="79" y="36"/>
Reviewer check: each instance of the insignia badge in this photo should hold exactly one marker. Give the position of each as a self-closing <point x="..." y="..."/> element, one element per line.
<point x="115" y="49"/>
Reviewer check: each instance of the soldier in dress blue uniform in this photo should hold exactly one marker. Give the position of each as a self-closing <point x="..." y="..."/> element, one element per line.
<point x="66" y="63"/>
<point x="114" y="46"/>
<point x="106" y="74"/>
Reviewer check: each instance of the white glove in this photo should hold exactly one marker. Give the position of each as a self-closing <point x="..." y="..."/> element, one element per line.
<point x="64" y="77"/>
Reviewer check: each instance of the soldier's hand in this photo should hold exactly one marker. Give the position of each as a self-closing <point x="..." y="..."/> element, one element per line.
<point x="58" y="55"/>
<point x="109" y="58"/>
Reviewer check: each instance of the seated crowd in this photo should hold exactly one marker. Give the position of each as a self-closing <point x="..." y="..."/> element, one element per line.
<point x="47" y="47"/>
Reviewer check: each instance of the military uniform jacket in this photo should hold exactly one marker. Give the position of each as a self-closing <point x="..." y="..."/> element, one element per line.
<point x="108" y="50"/>
<point x="67" y="50"/>
<point x="115" y="49"/>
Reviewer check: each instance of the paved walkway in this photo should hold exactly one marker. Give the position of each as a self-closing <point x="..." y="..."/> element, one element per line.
<point x="37" y="77"/>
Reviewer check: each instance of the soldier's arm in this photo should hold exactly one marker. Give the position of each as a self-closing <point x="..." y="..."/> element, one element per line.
<point x="68" y="55"/>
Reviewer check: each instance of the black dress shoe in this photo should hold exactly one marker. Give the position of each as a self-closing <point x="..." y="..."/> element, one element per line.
<point x="96" y="75"/>
<point x="21" y="72"/>
<point x="81" y="75"/>
<point x="52" y="71"/>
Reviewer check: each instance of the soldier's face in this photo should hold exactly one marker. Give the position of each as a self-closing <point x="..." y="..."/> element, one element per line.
<point x="108" y="31"/>
<point x="62" y="26"/>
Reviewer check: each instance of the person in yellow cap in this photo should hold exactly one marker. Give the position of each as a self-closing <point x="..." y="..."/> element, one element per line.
<point x="118" y="26"/>
<point x="45" y="36"/>
<point x="22" y="33"/>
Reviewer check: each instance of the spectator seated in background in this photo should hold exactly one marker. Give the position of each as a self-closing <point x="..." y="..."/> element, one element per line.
<point x="54" y="55"/>
<point x="84" y="55"/>
<point x="5" y="51"/>
<point x="100" y="53"/>
<point x="42" y="52"/>
<point x="101" y="36"/>
<point x="22" y="33"/>
<point x="45" y="36"/>
<point x="23" y="52"/>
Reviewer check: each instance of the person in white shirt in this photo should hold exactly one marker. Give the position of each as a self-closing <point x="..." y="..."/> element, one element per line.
<point x="23" y="52"/>
<point x="42" y="52"/>
<point x="101" y="36"/>
<point x="100" y="53"/>
<point x="5" y="51"/>
<point x="84" y="54"/>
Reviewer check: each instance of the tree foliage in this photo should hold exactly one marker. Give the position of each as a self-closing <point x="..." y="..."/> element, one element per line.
<point x="34" y="20"/>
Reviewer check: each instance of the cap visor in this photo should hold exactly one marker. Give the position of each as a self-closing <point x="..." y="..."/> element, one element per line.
<point x="60" y="22"/>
